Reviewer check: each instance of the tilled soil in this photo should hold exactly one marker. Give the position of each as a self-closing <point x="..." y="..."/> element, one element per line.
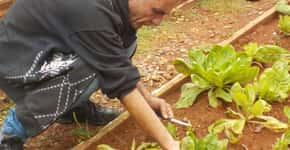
<point x="190" y="27"/>
<point x="201" y="115"/>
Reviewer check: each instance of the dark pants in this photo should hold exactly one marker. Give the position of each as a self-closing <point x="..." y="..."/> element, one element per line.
<point x="39" y="104"/>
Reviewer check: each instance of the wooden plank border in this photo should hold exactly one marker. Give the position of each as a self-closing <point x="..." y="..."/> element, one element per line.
<point x="176" y="80"/>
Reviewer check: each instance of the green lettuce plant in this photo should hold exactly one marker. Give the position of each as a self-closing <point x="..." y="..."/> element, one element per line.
<point x="209" y="142"/>
<point x="283" y="143"/>
<point x="249" y="109"/>
<point x="233" y="128"/>
<point x="82" y="133"/>
<point x="215" y="71"/>
<point x="142" y="146"/>
<point x="274" y="83"/>
<point x="172" y="129"/>
<point x="284" y="24"/>
<point x="104" y="147"/>
<point x="191" y="142"/>
<point x="283" y="7"/>
<point x="245" y="100"/>
<point x="286" y="111"/>
<point x="266" y="53"/>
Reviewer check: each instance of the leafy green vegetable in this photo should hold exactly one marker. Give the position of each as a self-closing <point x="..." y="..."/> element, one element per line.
<point x="251" y="49"/>
<point x="182" y="67"/>
<point x="104" y="147"/>
<point x="187" y="143"/>
<point x="283" y="142"/>
<point x="215" y="72"/>
<point x="232" y="127"/>
<point x="172" y="129"/>
<point x="148" y="146"/>
<point x="271" y="123"/>
<point x="284" y="24"/>
<point x="252" y="110"/>
<point x="209" y="142"/>
<point x="81" y="132"/>
<point x="286" y="111"/>
<point x="142" y="146"/>
<point x="283" y="7"/>
<point x="133" y="145"/>
<point x="274" y="83"/>
<point x="245" y="98"/>
<point x="266" y="53"/>
<point x="189" y="92"/>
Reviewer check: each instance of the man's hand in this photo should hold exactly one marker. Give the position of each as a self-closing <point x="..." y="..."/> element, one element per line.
<point x="140" y="109"/>
<point x="161" y="107"/>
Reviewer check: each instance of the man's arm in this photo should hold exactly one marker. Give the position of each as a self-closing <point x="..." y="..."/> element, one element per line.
<point x="147" y="95"/>
<point x="136" y="104"/>
<point x="159" y="105"/>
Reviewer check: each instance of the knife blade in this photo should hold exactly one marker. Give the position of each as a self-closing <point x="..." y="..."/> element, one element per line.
<point x="173" y="120"/>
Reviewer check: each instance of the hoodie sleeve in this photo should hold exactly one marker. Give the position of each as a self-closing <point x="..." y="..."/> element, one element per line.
<point x="104" y="51"/>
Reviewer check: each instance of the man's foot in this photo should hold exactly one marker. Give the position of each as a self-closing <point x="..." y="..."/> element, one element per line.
<point x="11" y="143"/>
<point x="91" y="113"/>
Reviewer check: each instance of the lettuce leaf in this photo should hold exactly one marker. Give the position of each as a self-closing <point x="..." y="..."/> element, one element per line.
<point x="270" y="123"/>
<point x="172" y="129"/>
<point x="283" y="142"/>
<point x="104" y="147"/>
<point x="209" y="142"/>
<point x="274" y="83"/>
<point x="266" y="53"/>
<point x="232" y="127"/>
<point x="284" y="24"/>
<point x="245" y="99"/>
<point x="286" y="111"/>
<point x="189" y="92"/>
<point x="283" y="7"/>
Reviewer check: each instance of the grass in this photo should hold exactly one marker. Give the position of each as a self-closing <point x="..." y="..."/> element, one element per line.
<point x="149" y="36"/>
<point x="145" y="39"/>
<point x="222" y="5"/>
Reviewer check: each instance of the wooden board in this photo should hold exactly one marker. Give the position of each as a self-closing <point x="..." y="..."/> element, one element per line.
<point x="173" y="84"/>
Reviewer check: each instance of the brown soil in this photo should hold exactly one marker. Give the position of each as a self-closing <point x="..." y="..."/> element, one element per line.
<point x="201" y="115"/>
<point x="156" y="65"/>
<point x="202" y="28"/>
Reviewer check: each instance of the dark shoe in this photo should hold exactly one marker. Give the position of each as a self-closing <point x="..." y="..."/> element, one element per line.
<point x="91" y="113"/>
<point x="11" y="143"/>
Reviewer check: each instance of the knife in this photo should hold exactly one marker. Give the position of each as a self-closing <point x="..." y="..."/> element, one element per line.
<point x="173" y="120"/>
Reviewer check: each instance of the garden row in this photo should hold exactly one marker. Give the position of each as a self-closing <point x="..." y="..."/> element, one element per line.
<point x="233" y="92"/>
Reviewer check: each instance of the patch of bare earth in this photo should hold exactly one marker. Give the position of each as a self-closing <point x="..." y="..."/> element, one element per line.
<point x="187" y="28"/>
<point x="202" y="116"/>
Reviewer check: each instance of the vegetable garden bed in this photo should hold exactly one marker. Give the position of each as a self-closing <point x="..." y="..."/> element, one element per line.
<point x="121" y="132"/>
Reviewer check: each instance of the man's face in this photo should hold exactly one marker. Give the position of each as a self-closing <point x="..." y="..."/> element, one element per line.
<point x="149" y="12"/>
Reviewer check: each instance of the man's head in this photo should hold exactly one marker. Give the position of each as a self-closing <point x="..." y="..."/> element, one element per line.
<point x="149" y="12"/>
